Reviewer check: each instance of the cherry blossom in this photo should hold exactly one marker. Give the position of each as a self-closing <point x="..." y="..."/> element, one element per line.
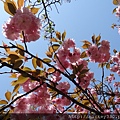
<point x="22" y="21"/>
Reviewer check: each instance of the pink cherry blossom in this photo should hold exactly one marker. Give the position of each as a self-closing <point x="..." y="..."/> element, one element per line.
<point x="65" y="101"/>
<point x="69" y="43"/>
<point x="110" y="78"/>
<point x="23" y="21"/>
<point x="115" y="68"/>
<point x="118" y="11"/>
<point x="63" y="86"/>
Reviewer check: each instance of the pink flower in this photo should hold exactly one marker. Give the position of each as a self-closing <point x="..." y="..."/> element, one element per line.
<point x="63" y="86"/>
<point x="69" y="43"/>
<point x="117" y="101"/>
<point x="92" y="49"/>
<point x="105" y="43"/>
<point x="23" y="21"/>
<point x="110" y="78"/>
<point x="73" y="57"/>
<point x="63" y="53"/>
<point x="56" y="77"/>
<point x="115" y="68"/>
<point x="21" y="105"/>
<point x="115" y="59"/>
<point x="65" y="101"/>
<point x="62" y="64"/>
<point x="118" y="54"/>
<point x="106" y="111"/>
<point x="118" y="11"/>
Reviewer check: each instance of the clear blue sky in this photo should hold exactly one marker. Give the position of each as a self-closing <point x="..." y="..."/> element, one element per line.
<point x="81" y="19"/>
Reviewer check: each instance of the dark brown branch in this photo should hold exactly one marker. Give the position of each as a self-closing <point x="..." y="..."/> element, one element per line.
<point x="48" y="85"/>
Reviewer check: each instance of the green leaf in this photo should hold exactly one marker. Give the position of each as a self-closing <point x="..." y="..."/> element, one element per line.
<point x="8" y="95"/>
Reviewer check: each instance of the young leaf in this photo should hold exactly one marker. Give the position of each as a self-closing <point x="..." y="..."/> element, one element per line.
<point x="8" y="95"/>
<point x="115" y="2"/>
<point x="34" y="63"/>
<point x="10" y="7"/>
<point x="54" y="40"/>
<point x="93" y="38"/>
<point x="20" y="3"/>
<point x="49" y="54"/>
<point x="83" y="55"/>
<point x="55" y="47"/>
<point x="34" y="10"/>
<point x="86" y="42"/>
<point x="21" y="52"/>
<point x="63" y="35"/>
<point x="50" y="70"/>
<point x="97" y="39"/>
<point x="85" y="46"/>
<point x="13" y="75"/>
<point x="3" y="102"/>
<point x="13" y="57"/>
<point x="47" y="60"/>
<point x="21" y="79"/>
<point x="26" y="69"/>
<point x="108" y="65"/>
<point x="17" y="64"/>
<point x="84" y="71"/>
<point x="58" y="35"/>
<point x="115" y="51"/>
<point x="5" y="45"/>
<point x="16" y="88"/>
<point x="114" y="10"/>
<point x="39" y="63"/>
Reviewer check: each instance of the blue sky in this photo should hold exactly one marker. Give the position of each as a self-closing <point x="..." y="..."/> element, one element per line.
<point x="80" y="19"/>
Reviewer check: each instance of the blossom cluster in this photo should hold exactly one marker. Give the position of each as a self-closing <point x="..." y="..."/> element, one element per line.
<point x="68" y="56"/>
<point x="99" y="54"/>
<point x="22" y="21"/>
<point x="115" y="60"/>
<point x="40" y="100"/>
